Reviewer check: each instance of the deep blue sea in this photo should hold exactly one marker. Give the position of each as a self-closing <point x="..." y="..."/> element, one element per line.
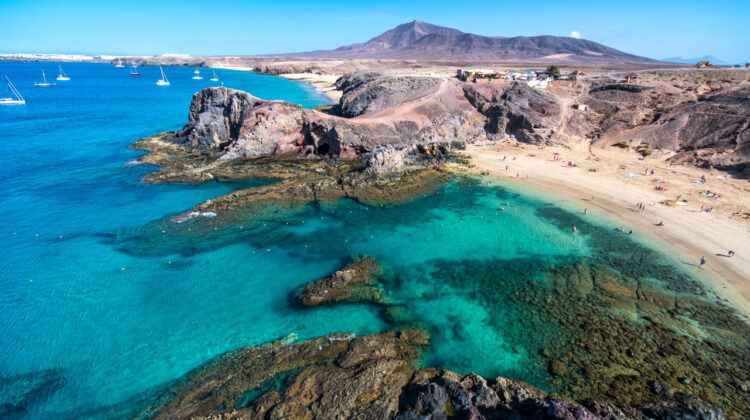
<point x="98" y="308"/>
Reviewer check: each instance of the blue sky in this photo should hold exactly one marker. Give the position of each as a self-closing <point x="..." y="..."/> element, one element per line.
<point x="654" y="28"/>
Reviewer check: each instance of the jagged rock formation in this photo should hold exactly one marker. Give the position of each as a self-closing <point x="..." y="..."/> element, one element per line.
<point x="698" y="117"/>
<point x="529" y="114"/>
<point x="232" y="124"/>
<point x="713" y="132"/>
<point x="357" y="282"/>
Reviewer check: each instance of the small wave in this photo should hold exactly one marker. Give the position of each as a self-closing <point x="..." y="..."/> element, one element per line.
<point x="135" y="163"/>
<point x="192" y="215"/>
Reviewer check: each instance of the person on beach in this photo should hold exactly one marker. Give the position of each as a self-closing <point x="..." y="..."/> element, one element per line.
<point x="660" y="223"/>
<point x="730" y="253"/>
<point x="593" y="196"/>
<point x="703" y="262"/>
<point x="506" y="167"/>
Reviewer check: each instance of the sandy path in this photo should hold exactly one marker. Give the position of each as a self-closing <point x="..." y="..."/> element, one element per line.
<point x="691" y="232"/>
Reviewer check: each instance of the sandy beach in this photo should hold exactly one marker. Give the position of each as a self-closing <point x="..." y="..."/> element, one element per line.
<point x="324" y="82"/>
<point x="620" y="182"/>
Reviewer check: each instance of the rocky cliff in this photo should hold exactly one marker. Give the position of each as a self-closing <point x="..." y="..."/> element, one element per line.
<point x="700" y="117"/>
<point x="227" y="123"/>
<point x="529" y="114"/>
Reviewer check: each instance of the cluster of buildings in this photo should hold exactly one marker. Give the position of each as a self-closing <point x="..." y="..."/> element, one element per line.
<point x="532" y="78"/>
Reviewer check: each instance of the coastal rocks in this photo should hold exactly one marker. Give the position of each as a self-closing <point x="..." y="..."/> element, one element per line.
<point x="527" y="113"/>
<point x="336" y="376"/>
<point x="388" y="160"/>
<point x="339" y="376"/>
<point x="357" y="282"/>
<point x="683" y="406"/>
<point x="367" y="92"/>
<point x="226" y="124"/>
<point x="236" y="123"/>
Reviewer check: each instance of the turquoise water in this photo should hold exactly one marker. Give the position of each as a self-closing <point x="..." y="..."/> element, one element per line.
<point x="116" y="309"/>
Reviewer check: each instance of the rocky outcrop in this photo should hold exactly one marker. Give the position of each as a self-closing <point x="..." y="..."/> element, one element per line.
<point x="713" y="131"/>
<point x="227" y="120"/>
<point x="367" y="92"/>
<point x="228" y="124"/>
<point x="374" y="377"/>
<point x="357" y="282"/>
<point x="527" y="113"/>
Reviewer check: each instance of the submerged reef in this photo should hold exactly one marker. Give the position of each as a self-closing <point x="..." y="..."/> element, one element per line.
<point x="22" y="392"/>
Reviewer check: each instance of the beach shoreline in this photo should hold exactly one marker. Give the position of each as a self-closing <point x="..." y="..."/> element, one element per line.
<point x="574" y="187"/>
<point x="322" y="82"/>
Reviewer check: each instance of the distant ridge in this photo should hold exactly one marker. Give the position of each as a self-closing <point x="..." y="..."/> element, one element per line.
<point x="425" y="41"/>
<point x="710" y="58"/>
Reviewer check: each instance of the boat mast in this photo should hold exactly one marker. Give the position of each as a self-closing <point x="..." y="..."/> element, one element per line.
<point x="13" y="89"/>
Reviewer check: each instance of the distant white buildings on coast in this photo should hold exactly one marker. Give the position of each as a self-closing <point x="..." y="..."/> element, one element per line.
<point x="75" y="57"/>
<point x="534" y="79"/>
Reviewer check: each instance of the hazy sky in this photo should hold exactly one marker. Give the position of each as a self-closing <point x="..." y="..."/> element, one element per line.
<point x="653" y="28"/>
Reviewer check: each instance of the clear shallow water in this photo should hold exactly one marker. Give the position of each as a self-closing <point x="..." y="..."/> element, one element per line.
<point x="89" y="335"/>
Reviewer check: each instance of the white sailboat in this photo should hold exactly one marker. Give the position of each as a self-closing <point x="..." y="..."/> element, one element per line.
<point x="163" y="81"/>
<point x="44" y="81"/>
<point x="214" y="78"/>
<point x="15" y="98"/>
<point x="197" y="75"/>
<point x="62" y="76"/>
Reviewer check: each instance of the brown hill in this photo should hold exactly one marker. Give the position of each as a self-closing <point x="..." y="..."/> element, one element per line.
<point x="424" y="41"/>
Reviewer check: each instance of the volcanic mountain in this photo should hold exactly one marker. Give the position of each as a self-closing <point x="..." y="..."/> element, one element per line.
<point x="424" y="41"/>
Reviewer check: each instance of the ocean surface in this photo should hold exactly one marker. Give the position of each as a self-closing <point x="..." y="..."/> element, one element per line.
<point x="98" y="308"/>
